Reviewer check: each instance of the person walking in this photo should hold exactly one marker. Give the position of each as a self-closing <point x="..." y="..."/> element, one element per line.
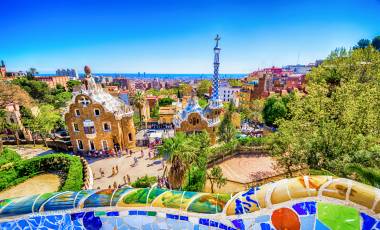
<point x="113" y="171"/>
<point x="117" y="169"/>
<point x="128" y="179"/>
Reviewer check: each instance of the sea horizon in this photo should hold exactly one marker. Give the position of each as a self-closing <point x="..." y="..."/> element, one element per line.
<point x="159" y="75"/>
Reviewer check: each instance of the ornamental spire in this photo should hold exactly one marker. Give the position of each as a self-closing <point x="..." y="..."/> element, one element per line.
<point x="215" y="81"/>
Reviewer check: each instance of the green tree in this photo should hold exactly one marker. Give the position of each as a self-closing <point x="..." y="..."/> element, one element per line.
<point x="362" y="43"/>
<point x="180" y="155"/>
<point x="275" y="108"/>
<point x="71" y="84"/>
<point x="165" y="101"/>
<point x="216" y="178"/>
<point x="139" y="102"/>
<point x="203" y="87"/>
<point x="376" y="43"/>
<point x="36" y="89"/>
<point x="336" y="123"/>
<point x="227" y="130"/>
<point x="46" y="120"/>
<point x="235" y="83"/>
<point x="3" y="125"/>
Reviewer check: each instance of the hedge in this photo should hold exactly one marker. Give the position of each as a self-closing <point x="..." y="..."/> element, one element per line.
<point x="144" y="182"/>
<point x="23" y="170"/>
<point x="9" y="155"/>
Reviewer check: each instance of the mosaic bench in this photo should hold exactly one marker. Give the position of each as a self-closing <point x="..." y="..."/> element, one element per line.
<point x="309" y="202"/>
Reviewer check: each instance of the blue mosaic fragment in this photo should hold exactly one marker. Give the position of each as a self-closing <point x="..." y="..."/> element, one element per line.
<point x="307" y="221"/>
<point x="368" y="222"/>
<point x="222" y="226"/>
<point x="132" y="213"/>
<point x="91" y="222"/>
<point x="261" y="219"/>
<point x="142" y="213"/>
<point x="378" y="225"/>
<point x="320" y="226"/>
<point x="185" y="218"/>
<point x="113" y="213"/>
<point x="204" y="221"/>
<point x="50" y="223"/>
<point x="305" y="208"/>
<point x="23" y="224"/>
<point x="239" y="223"/>
<point x="75" y="216"/>
<point x="171" y="216"/>
<point x="265" y="226"/>
<point x="35" y="221"/>
<point x="213" y="223"/>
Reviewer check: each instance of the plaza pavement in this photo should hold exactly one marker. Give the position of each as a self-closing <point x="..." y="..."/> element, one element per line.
<point x="145" y="166"/>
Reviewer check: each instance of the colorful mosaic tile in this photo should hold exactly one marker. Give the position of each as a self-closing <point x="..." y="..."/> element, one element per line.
<point x="321" y="203"/>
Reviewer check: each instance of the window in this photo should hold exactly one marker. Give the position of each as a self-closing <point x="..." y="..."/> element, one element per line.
<point x="77" y="113"/>
<point x="97" y="112"/>
<point x="106" y="127"/>
<point x="104" y="145"/>
<point x="76" y="127"/>
<point x="91" y="145"/>
<point x="89" y="127"/>
<point x="80" y="144"/>
<point x="130" y="136"/>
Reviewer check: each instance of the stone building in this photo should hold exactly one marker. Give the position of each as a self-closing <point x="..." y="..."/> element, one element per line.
<point x="193" y="118"/>
<point x="53" y="81"/>
<point x="98" y="121"/>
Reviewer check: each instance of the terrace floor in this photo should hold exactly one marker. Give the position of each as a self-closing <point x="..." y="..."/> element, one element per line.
<point x="39" y="184"/>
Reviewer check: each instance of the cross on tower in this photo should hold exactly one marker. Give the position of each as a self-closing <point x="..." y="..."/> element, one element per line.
<point x="217" y="40"/>
<point x="84" y="101"/>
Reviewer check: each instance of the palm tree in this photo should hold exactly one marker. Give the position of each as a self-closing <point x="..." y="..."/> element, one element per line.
<point x="139" y="102"/>
<point x="180" y="153"/>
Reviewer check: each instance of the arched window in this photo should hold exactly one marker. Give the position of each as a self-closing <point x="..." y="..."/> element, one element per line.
<point x="106" y="127"/>
<point x="89" y="127"/>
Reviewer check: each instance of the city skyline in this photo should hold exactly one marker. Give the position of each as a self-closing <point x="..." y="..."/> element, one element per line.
<point x="176" y="37"/>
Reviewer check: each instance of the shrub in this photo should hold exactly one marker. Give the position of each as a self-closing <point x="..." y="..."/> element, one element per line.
<point x="144" y="182"/>
<point x="70" y="165"/>
<point x="9" y="155"/>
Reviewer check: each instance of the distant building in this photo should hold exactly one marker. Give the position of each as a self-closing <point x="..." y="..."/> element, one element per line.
<point x="98" y="121"/>
<point x="166" y="114"/>
<point x="71" y="73"/>
<point x="156" y="84"/>
<point x="121" y="82"/>
<point x="227" y="92"/>
<point x="53" y="81"/>
<point x="299" y="69"/>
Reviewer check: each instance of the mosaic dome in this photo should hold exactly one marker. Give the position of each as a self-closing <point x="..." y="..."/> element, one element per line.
<point x="309" y="202"/>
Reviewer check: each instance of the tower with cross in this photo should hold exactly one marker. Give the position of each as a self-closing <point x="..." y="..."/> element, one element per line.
<point x="215" y="80"/>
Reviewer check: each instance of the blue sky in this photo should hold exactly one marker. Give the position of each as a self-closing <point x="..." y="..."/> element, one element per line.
<point x="176" y="36"/>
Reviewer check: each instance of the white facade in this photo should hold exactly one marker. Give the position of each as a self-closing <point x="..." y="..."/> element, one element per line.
<point x="228" y="93"/>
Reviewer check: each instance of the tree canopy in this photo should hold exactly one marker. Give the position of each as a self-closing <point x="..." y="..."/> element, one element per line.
<point x="337" y="122"/>
<point x="203" y="87"/>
